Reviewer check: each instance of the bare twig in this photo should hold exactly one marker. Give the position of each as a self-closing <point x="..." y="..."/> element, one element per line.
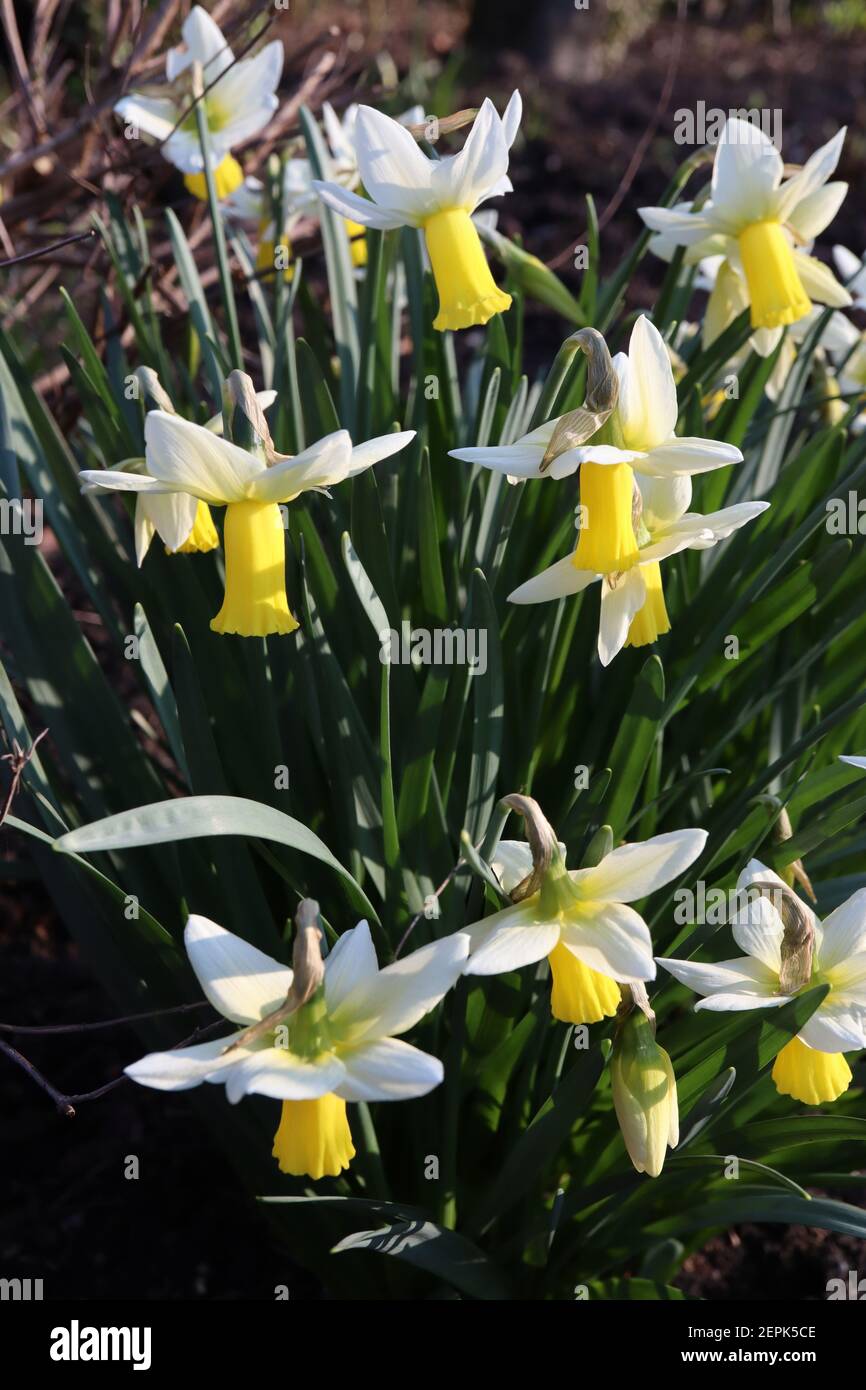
<point x="47" y="250"/>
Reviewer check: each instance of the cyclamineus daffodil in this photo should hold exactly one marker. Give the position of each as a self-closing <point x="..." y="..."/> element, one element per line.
<point x="633" y="611"/>
<point x="239" y="100"/>
<point x="578" y="919"/>
<point x="251" y="483"/>
<point x="406" y="189"/>
<point x="314" y="1037"/>
<point x="762" y="225"/>
<point x="643" y="1085"/>
<point x="787" y="952"/>
<point x="626" y="427"/>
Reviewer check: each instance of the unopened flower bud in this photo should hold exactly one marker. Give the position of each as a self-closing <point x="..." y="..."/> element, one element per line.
<point x="644" y="1092"/>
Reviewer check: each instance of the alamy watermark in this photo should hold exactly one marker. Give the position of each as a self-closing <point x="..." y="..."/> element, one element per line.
<point x="22" y="517"/>
<point x="438" y="646"/>
<point x="715" y="906"/>
<point x="704" y="125"/>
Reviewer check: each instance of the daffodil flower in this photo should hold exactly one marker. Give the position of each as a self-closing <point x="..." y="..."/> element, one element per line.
<point x="184" y="458"/>
<point x="633" y="611"/>
<point x="638" y="438"/>
<point x="406" y="189"/>
<point x="341" y="1045"/>
<point x="762" y="225"/>
<point x="580" y="921"/>
<point x="810" y="1068"/>
<point x="240" y="98"/>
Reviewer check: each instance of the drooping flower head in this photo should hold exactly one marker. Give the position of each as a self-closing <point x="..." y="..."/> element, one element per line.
<point x="787" y="952"/>
<point x="406" y="189"/>
<point x="239" y="100"/>
<point x="762" y="225"/>
<point x="190" y="460"/>
<point x="643" y="1085"/>
<point x="314" y="1037"/>
<point x="578" y="919"/>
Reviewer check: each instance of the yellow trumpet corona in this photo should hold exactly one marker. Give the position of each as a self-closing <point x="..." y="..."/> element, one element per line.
<point x="606" y="543"/>
<point x="579" y="994"/>
<point x="313" y="1138"/>
<point x="776" y="292"/>
<point x="227" y="176"/>
<point x="651" y="620"/>
<point x="468" y="294"/>
<point x="813" y="1077"/>
<point x="255" y="603"/>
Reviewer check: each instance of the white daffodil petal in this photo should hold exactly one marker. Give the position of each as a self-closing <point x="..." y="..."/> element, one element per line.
<point x="819" y="282"/>
<point x="358" y="209"/>
<point x="648" y="410"/>
<point x="116" y="480"/>
<point x="837" y="1025"/>
<point x="203" y="42"/>
<point x="634" y="871"/>
<point x="683" y="456"/>
<point x="509" y="940"/>
<point x="851" y="269"/>
<point x="844" y="932"/>
<point x="515" y="460"/>
<point x="375" y="450"/>
<point x="279" y="1074"/>
<point x="238" y="979"/>
<point x="156" y="116"/>
<point x="853" y="761"/>
<point x="740" y="1001"/>
<point x="185" y="1067"/>
<point x="619" y="604"/>
<point x="393" y="170"/>
<point x="172" y="514"/>
<point x="323" y="464"/>
<point x="814" y="214"/>
<point x="143" y="530"/>
<point x="195" y="460"/>
<point x="613" y="939"/>
<point x="248" y="89"/>
<point x="480" y="165"/>
<point x="741" y="976"/>
<point x="681" y="228"/>
<point x="757" y="929"/>
<point x="809" y="180"/>
<point x="512" y="117"/>
<point x="756" y="872"/>
<point x="351" y="962"/>
<point x="729" y="519"/>
<point x="558" y="581"/>
<point x="388" y="1069"/>
<point x="746" y="173"/>
<point x="404" y="992"/>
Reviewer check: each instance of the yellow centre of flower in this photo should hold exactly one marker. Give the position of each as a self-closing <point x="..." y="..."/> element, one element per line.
<point x="467" y="291"/>
<point x="606" y="542"/>
<point x="255" y="602"/>
<point x="650" y="621"/>
<point x="313" y="1137"/>
<point x="227" y="176"/>
<point x="815" y="1078"/>
<point x="357" y="242"/>
<point x="776" y="293"/>
<point x="203" y="535"/>
<point x="579" y="994"/>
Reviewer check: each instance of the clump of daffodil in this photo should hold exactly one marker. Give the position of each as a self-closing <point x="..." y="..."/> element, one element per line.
<point x="314" y="1037"/>
<point x="622" y="436"/>
<point x="239" y="99"/>
<point x="578" y="919"/>
<point x="643" y="1085"/>
<point x="762" y="225"/>
<point x="250" y="482"/>
<point x="406" y="189"/>
<point x="787" y="952"/>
